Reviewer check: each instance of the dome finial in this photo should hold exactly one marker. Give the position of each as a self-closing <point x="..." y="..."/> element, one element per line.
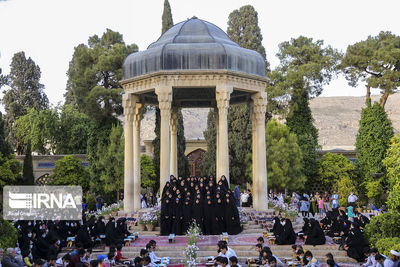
<point x="194" y="17"/>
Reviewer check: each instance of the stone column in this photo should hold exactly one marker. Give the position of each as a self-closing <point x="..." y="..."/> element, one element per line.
<point x="260" y="159"/>
<point x="223" y="94"/>
<point x="164" y="94"/>
<point x="137" y="118"/>
<point x="253" y="154"/>
<point x="128" y="102"/>
<point x="218" y="175"/>
<point x="174" y="141"/>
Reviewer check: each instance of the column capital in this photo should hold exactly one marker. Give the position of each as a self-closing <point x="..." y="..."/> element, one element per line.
<point x="174" y="119"/>
<point x="164" y="95"/>
<point x="128" y="103"/>
<point x="138" y="114"/>
<point x="223" y="95"/>
<point x="259" y="107"/>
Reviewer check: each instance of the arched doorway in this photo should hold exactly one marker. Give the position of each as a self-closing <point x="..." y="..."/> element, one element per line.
<point x="195" y="159"/>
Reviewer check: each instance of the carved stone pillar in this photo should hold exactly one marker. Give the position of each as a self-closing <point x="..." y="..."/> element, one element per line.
<point x="137" y="118"/>
<point x="223" y="93"/>
<point x="217" y="173"/>
<point x="253" y="154"/>
<point x="164" y="94"/>
<point x="128" y="102"/>
<point x="174" y="141"/>
<point x="260" y="191"/>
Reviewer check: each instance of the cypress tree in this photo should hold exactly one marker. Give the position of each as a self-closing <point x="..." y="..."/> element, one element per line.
<point x="300" y="122"/>
<point x="27" y="171"/>
<point x="372" y="141"/>
<point x="183" y="165"/>
<point x="208" y="166"/>
<point x="5" y="147"/>
<point x="167" y="21"/>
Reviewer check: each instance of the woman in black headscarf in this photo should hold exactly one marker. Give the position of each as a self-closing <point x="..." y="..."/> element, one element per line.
<point x="355" y="243"/>
<point x="220" y="213"/>
<point x="232" y="218"/>
<point x="277" y="228"/>
<point x="110" y="231"/>
<point x="287" y="236"/>
<point x="224" y="183"/>
<point x="83" y="237"/>
<point x="187" y="215"/>
<point x="210" y="222"/>
<point x="197" y="211"/>
<point x="316" y="235"/>
<point x="166" y="218"/>
<point x="177" y="216"/>
<point x="165" y="189"/>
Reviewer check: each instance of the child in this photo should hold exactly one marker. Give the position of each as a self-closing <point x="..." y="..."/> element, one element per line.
<point x="321" y="206"/>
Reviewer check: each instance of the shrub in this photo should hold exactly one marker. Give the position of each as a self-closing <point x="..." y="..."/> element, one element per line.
<point x="91" y="202"/>
<point x="383" y="226"/>
<point x="8" y="234"/>
<point x="384" y="245"/>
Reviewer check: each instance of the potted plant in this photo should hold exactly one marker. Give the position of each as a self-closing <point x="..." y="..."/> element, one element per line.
<point x="142" y="225"/>
<point x="276" y="210"/>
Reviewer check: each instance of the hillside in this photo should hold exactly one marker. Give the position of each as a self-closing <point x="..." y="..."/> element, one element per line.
<point x="336" y="118"/>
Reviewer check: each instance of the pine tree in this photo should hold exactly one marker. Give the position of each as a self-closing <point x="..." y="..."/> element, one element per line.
<point x="27" y="171"/>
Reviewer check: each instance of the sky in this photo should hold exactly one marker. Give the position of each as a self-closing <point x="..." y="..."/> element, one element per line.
<point x="48" y="30"/>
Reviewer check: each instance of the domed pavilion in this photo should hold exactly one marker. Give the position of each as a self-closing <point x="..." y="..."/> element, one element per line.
<point x="193" y="64"/>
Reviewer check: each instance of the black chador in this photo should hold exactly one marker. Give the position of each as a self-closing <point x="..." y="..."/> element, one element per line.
<point x="315" y="236"/>
<point x="277" y="228"/>
<point x="166" y="214"/>
<point x="220" y="214"/>
<point x="288" y="236"/>
<point x="198" y="212"/>
<point x="177" y="217"/>
<point x="187" y="215"/>
<point x="210" y="222"/>
<point x="232" y="217"/>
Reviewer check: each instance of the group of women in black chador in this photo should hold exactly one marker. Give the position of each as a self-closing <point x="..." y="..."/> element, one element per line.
<point x="209" y="202"/>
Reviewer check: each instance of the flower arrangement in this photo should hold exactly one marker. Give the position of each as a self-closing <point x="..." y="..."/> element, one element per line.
<point x="243" y="216"/>
<point x="106" y="210"/>
<point x="190" y="252"/>
<point x="149" y="217"/>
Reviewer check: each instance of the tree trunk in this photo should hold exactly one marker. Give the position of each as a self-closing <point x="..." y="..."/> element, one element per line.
<point x="384" y="98"/>
<point x="368" y="96"/>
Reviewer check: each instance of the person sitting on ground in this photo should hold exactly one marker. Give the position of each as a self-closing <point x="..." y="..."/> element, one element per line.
<point x="26" y="258"/>
<point x="233" y="261"/>
<point x="77" y="258"/>
<point x="119" y="257"/>
<point x="301" y="258"/>
<point x="330" y="261"/>
<point x="370" y="258"/>
<point x="260" y="241"/>
<point x="64" y="260"/>
<point x="147" y="262"/>
<point x="222" y="261"/>
<point x="144" y="253"/>
<point x="88" y="257"/>
<point x="8" y="259"/>
<point x="312" y="261"/>
<point x="38" y="263"/>
<point x="108" y="261"/>
<point x="137" y="260"/>
<point x="272" y="261"/>
<point x="224" y="252"/>
<point x="153" y="257"/>
<point x="230" y="250"/>
<point x="379" y="258"/>
<point x="94" y="263"/>
<point x="259" y="247"/>
<point x="393" y="260"/>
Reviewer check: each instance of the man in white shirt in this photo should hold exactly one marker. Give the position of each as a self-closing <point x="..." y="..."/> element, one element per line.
<point x="352" y="199"/>
<point x="224" y="252"/>
<point x="371" y="262"/>
<point x="244" y="198"/>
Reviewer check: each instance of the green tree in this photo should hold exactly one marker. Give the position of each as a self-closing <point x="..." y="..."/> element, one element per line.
<point x="344" y="186"/>
<point x="331" y="167"/>
<point x="284" y="158"/>
<point x="39" y="127"/>
<point x="112" y="162"/>
<point x="5" y="147"/>
<point x="376" y="62"/>
<point x="73" y="131"/>
<point x="147" y="172"/>
<point x="25" y="91"/>
<point x="27" y="171"/>
<point x="392" y="166"/>
<point x="382" y="226"/>
<point x="8" y="234"/>
<point x="10" y="170"/>
<point x="94" y="74"/>
<point x="183" y="165"/>
<point x="372" y="142"/>
<point x="305" y="67"/>
<point x="69" y="171"/>
<point x="167" y="21"/>
<point x="208" y="166"/>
